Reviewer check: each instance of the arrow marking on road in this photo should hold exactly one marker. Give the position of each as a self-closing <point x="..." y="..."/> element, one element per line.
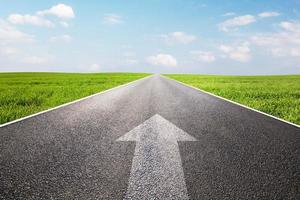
<point x="156" y="171"/>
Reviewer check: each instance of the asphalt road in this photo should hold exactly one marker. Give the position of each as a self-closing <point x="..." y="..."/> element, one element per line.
<point x="73" y="152"/>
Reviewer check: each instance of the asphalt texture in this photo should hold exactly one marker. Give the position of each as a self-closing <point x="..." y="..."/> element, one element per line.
<point x="73" y="152"/>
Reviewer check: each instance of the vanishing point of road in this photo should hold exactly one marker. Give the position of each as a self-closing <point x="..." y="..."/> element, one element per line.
<point x="151" y="139"/>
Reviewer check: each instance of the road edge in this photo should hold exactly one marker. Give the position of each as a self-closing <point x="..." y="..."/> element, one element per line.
<point x="233" y="102"/>
<point x="72" y="102"/>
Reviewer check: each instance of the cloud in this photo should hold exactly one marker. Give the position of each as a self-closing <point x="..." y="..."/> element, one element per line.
<point x="178" y="38"/>
<point x="130" y="57"/>
<point x="64" y="24"/>
<point x="35" y="60"/>
<point x="290" y="26"/>
<point x="9" y="34"/>
<point x="265" y="39"/>
<point x="62" y="38"/>
<point x="60" y="10"/>
<point x="94" y="68"/>
<point x="268" y="14"/>
<point x="129" y="54"/>
<point x="132" y="61"/>
<point x="162" y="60"/>
<point x="204" y="56"/>
<point x="112" y="19"/>
<point x="283" y="43"/>
<point x="241" y="53"/>
<point x="228" y="14"/>
<point x="280" y="52"/>
<point x="8" y="51"/>
<point x="29" y="19"/>
<point x="295" y="52"/>
<point x="231" y="24"/>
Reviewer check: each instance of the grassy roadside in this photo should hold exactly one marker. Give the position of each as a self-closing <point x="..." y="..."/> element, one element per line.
<point x="22" y="94"/>
<point x="275" y="95"/>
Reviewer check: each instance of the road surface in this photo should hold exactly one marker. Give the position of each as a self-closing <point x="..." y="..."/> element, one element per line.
<point x="81" y="151"/>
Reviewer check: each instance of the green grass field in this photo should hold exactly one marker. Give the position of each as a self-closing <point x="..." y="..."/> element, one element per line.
<point x="275" y="95"/>
<point x="22" y="94"/>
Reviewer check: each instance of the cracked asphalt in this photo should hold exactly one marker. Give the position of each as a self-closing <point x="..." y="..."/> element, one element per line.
<point x="72" y="152"/>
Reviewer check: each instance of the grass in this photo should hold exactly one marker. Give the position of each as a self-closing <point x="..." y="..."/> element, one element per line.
<point x="22" y="94"/>
<point x="275" y="95"/>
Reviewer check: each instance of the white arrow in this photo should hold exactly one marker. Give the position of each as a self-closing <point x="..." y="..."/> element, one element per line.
<point x="156" y="171"/>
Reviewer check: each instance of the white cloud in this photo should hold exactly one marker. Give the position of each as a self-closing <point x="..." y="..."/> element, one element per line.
<point x="29" y="19"/>
<point x="225" y="49"/>
<point x="290" y="26"/>
<point x="132" y="61"/>
<point x="241" y="52"/>
<point x="283" y="43"/>
<point x="268" y="14"/>
<point x="178" y="38"/>
<point x="295" y="52"/>
<point x="162" y="60"/>
<point x="35" y="60"/>
<point x="228" y="14"/>
<point x="266" y="39"/>
<point x="9" y="34"/>
<point x="112" y="19"/>
<point x="62" y="38"/>
<point x="130" y="57"/>
<point x="276" y="39"/>
<point x="129" y="54"/>
<point x="231" y="24"/>
<point x="8" y="51"/>
<point x="283" y="52"/>
<point x="278" y="52"/>
<point x="204" y="56"/>
<point x="64" y="24"/>
<point x="94" y="68"/>
<point x="60" y="10"/>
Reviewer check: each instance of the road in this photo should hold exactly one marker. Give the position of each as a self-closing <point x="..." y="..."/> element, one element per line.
<point x="79" y="151"/>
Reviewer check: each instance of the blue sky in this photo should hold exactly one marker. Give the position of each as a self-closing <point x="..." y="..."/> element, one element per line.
<point x="161" y="36"/>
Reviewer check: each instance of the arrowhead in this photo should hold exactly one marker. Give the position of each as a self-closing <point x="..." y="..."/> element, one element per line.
<point x="156" y="128"/>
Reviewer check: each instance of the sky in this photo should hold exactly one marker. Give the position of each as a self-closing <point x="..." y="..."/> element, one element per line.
<point x="244" y="37"/>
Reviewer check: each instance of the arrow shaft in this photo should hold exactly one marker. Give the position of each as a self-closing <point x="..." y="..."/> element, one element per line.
<point x="156" y="172"/>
